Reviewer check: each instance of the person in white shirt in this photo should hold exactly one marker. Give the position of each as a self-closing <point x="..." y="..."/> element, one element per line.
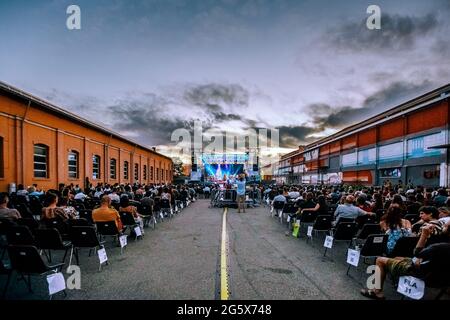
<point x="114" y="196"/>
<point x="80" y="196"/>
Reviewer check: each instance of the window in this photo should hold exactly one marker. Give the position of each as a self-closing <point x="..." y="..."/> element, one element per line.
<point x="145" y="172"/>
<point x="112" y="168"/>
<point x="151" y="172"/>
<point x="73" y="164"/>
<point x="136" y="172"/>
<point x="2" y="174"/>
<point x="157" y="173"/>
<point x="40" y="161"/>
<point x="125" y="170"/>
<point x="96" y="167"/>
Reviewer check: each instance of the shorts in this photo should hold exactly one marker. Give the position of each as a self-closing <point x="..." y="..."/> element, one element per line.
<point x="398" y="268"/>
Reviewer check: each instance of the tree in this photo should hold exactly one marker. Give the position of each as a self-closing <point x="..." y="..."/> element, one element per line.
<point x="177" y="167"/>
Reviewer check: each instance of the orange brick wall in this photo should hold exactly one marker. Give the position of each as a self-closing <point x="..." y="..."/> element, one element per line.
<point x="61" y="136"/>
<point x="433" y="117"/>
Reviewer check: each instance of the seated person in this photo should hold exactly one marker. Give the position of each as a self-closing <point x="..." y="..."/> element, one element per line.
<point x="53" y="211"/>
<point x="5" y="212"/>
<point x="425" y="261"/>
<point x="105" y="213"/>
<point x="348" y="210"/>
<point x="394" y="226"/>
<point x="428" y="215"/>
<point x="125" y="206"/>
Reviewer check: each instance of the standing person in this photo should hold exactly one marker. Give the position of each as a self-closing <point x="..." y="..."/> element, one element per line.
<point x="241" y="193"/>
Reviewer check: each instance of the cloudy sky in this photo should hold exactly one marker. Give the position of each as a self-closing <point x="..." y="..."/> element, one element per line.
<point x="146" y="68"/>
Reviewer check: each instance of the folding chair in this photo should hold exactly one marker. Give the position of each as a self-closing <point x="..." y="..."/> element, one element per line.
<point x="20" y="235"/>
<point x="366" y="231"/>
<point x="373" y="247"/>
<point x="26" y="261"/>
<point x="307" y="218"/>
<point x="108" y="229"/>
<point x="50" y="239"/>
<point x="322" y="224"/>
<point x="344" y="232"/>
<point x="404" y="247"/>
<point x="86" y="214"/>
<point x="5" y="271"/>
<point x="84" y="237"/>
<point x="59" y="224"/>
<point x="28" y="222"/>
<point x="128" y="221"/>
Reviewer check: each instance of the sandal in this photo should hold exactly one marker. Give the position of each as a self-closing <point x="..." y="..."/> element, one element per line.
<point x="371" y="294"/>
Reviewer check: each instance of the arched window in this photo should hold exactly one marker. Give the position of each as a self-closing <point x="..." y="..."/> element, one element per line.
<point x="151" y="173"/>
<point x="112" y="168"/>
<point x="2" y="173"/>
<point x="96" y="167"/>
<point x="40" y="160"/>
<point x="72" y="165"/>
<point x="125" y="170"/>
<point x="145" y="172"/>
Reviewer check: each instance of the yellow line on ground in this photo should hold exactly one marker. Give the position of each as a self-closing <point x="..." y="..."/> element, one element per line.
<point x="223" y="259"/>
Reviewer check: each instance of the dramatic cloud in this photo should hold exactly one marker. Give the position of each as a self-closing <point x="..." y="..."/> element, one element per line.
<point x="397" y="33"/>
<point x="293" y="136"/>
<point x="326" y="116"/>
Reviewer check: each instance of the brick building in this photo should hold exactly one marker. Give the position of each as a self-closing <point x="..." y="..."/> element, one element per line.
<point x="47" y="145"/>
<point x="408" y="142"/>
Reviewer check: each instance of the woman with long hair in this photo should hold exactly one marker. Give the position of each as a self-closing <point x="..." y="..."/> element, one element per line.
<point x="394" y="226"/>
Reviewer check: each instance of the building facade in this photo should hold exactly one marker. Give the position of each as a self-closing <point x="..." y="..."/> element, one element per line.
<point x="408" y="143"/>
<point x="43" y="144"/>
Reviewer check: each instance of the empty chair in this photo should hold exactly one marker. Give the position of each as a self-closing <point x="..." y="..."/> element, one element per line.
<point x="366" y="231"/>
<point x="50" y="239"/>
<point x="78" y="222"/>
<point x="322" y="224"/>
<point x="86" y="214"/>
<point x="20" y="235"/>
<point x="147" y="214"/>
<point x="24" y="210"/>
<point x="59" y="224"/>
<point x="84" y="237"/>
<point x="5" y="271"/>
<point x="344" y="232"/>
<point x="108" y="229"/>
<point x="27" y="261"/>
<point x="29" y="222"/>
<point x="307" y="218"/>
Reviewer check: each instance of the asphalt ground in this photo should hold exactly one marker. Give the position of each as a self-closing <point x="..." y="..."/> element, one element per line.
<point x="181" y="259"/>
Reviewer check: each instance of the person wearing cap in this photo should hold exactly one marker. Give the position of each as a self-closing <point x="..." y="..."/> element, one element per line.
<point x="348" y="210"/>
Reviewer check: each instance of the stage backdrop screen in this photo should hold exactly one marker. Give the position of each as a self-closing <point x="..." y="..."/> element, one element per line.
<point x="220" y="170"/>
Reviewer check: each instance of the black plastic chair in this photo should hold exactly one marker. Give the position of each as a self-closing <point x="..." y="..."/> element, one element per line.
<point x="59" y="224"/>
<point x="30" y="223"/>
<point x="404" y="247"/>
<point x="8" y="272"/>
<point x="108" y="229"/>
<point x="81" y="222"/>
<point x="344" y="232"/>
<point x="27" y="261"/>
<point x="20" y="235"/>
<point x="321" y="224"/>
<point x="128" y="221"/>
<point x="374" y="246"/>
<point x="278" y="207"/>
<point x="86" y="214"/>
<point x="84" y="237"/>
<point x="50" y="239"/>
<point x="366" y="231"/>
